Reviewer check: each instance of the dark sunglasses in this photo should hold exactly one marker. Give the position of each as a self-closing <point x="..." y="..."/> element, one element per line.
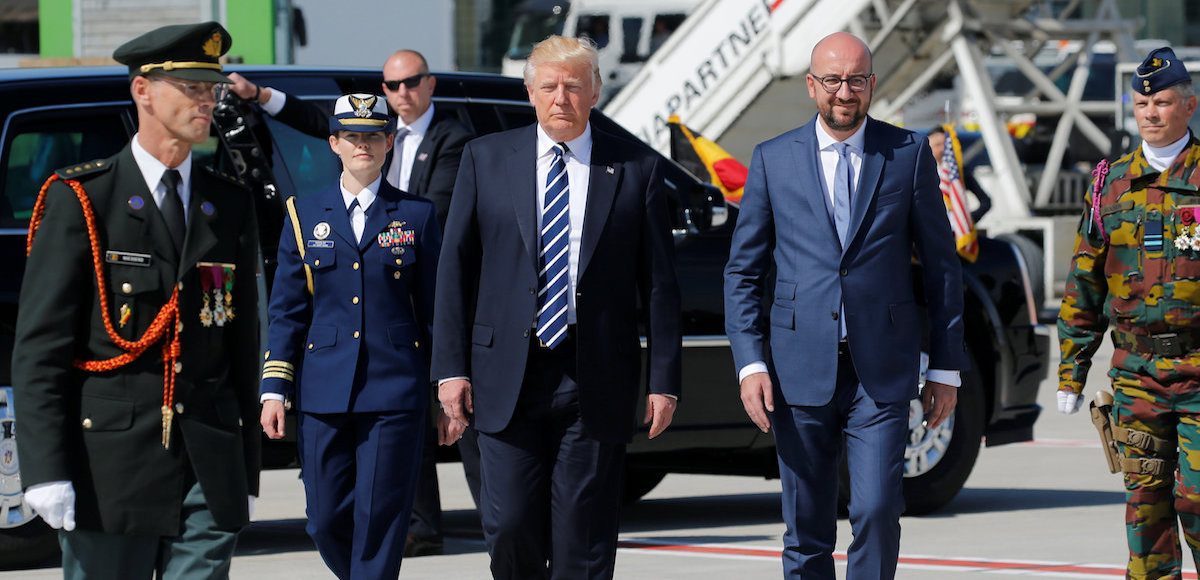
<point x="409" y="83"/>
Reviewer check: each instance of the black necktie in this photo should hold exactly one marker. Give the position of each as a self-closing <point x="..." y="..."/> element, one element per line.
<point x="172" y="208"/>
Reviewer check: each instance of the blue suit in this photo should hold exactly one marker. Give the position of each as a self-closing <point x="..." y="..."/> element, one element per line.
<point x="359" y="346"/>
<point x="861" y="388"/>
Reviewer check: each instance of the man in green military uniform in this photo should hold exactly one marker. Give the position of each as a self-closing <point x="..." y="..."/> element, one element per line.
<point x="1136" y="266"/>
<point x="135" y="367"/>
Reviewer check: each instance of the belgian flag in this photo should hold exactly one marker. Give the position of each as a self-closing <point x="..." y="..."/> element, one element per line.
<point x="707" y="160"/>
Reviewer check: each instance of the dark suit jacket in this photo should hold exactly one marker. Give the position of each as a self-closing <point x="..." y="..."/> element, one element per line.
<point x="436" y="160"/>
<point x="487" y="281"/>
<point x="379" y="288"/>
<point x="785" y="223"/>
<point x="102" y="431"/>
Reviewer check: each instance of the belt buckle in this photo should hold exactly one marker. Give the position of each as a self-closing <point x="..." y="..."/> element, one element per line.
<point x="1168" y="344"/>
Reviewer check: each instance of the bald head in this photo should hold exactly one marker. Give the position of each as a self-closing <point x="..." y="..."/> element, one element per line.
<point x="840" y="48"/>
<point x="411" y="89"/>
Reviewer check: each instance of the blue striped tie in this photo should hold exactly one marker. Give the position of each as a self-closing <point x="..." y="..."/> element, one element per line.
<point x="554" y="257"/>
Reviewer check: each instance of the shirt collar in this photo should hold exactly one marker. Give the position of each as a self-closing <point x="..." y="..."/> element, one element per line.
<point x="152" y="169"/>
<point x="365" y="197"/>
<point x="825" y="141"/>
<point x="1166" y="154"/>
<point x="580" y="147"/>
<point x="420" y="126"/>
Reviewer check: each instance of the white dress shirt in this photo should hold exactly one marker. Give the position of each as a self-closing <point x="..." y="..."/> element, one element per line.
<point x="400" y="173"/>
<point x="578" y="158"/>
<point x="829" y="157"/>
<point x="1160" y="158"/>
<point x="152" y="171"/>
<point x="365" y="197"/>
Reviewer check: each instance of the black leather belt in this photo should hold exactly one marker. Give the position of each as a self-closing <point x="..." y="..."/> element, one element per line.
<point x="1170" y="344"/>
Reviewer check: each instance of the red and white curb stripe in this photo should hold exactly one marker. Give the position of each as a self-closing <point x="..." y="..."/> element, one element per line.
<point x="934" y="563"/>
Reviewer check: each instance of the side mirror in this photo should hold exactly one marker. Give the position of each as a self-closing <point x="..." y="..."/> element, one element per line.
<point x="706" y="209"/>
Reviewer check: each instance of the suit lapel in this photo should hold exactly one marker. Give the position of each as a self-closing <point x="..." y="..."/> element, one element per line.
<point x="807" y="158"/>
<point x="153" y="226"/>
<point x="603" y="179"/>
<point x="522" y="175"/>
<point x="200" y="238"/>
<point x="868" y="182"/>
<point x="417" y="178"/>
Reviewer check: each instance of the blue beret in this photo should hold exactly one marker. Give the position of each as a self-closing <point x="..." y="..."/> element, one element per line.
<point x="1160" y="70"/>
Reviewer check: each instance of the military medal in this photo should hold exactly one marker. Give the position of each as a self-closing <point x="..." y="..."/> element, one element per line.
<point x="126" y="313"/>
<point x="206" y="313"/>
<point x="228" y="269"/>
<point x="395" y="235"/>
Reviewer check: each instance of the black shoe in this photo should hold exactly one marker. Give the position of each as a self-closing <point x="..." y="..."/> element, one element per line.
<point x="415" y="547"/>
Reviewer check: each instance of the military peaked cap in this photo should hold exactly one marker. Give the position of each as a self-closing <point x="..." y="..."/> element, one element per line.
<point x="186" y="51"/>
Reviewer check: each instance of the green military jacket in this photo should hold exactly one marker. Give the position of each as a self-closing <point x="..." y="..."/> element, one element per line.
<point x="1129" y="275"/>
<point x="103" y="430"/>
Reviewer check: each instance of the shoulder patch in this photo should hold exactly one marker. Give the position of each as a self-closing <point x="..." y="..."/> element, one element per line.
<point x="85" y="169"/>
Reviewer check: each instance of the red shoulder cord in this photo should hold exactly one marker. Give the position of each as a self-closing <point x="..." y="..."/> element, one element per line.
<point x="1098" y="176"/>
<point x="165" y="323"/>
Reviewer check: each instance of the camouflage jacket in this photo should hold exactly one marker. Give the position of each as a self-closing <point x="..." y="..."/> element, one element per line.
<point x="1142" y="273"/>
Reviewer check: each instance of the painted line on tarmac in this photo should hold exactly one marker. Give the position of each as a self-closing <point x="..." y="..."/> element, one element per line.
<point x="933" y="563"/>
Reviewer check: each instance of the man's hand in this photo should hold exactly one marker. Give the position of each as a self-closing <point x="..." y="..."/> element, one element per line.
<point x="449" y="430"/>
<point x="55" y="502"/>
<point x="272" y="419"/>
<point x="455" y="397"/>
<point x="242" y="87"/>
<point x="758" y="399"/>
<point x="937" y="400"/>
<point x="1069" y="402"/>
<point x="660" y="409"/>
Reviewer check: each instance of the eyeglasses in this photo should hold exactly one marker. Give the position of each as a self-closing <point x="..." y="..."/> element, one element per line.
<point x="197" y="90"/>
<point x="833" y="83"/>
<point x="409" y="83"/>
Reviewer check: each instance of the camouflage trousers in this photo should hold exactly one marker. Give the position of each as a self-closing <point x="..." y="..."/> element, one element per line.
<point x="1160" y="396"/>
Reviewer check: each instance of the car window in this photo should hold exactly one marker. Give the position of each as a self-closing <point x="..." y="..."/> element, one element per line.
<point x="513" y="116"/>
<point x="38" y="143"/>
<point x="311" y="165"/>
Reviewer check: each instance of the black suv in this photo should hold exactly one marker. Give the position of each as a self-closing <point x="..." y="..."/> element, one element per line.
<point x="50" y="118"/>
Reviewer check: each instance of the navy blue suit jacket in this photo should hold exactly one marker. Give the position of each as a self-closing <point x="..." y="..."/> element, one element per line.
<point x="785" y="224"/>
<point x="487" y="281"/>
<point x="365" y="297"/>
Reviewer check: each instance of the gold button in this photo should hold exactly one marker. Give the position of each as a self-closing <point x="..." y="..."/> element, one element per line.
<point x="356" y="335"/>
<point x="310" y="346"/>
<point x="127" y="288"/>
<point x="178" y="367"/>
<point x="239" y="422"/>
<point x="179" y="408"/>
<point x="416" y="344"/>
<point x="399" y="262"/>
<point x="396" y="275"/>
<point x="179" y="326"/>
<point x="354" y="300"/>
<point x="87" y="423"/>
<point x="179" y="286"/>
<point x="355" y="265"/>
<point x="267" y="355"/>
<point x="316" y="262"/>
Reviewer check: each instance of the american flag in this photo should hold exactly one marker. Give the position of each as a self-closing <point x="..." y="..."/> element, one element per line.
<point x="954" y="195"/>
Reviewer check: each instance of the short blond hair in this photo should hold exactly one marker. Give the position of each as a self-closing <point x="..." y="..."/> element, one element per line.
<point x="562" y="49"/>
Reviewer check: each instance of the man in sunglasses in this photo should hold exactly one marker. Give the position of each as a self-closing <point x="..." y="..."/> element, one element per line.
<point x="423" y="162"/>
<point x="136" y="358"/>
<point x="835" y="357"/>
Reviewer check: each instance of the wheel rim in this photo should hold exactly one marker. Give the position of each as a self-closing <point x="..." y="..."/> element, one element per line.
<point x="925" y="447"/>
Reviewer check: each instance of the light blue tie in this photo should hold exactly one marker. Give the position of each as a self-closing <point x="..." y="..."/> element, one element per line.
<point x="841" y="211"/>
<point x="554" y="257"/>
<point x="841" y="193"/>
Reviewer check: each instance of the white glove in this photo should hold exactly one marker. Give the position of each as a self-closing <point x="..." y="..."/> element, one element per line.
<point x="250" y="506"/>
<point x="1069" y="402"/>
<point x="55" y="502"/>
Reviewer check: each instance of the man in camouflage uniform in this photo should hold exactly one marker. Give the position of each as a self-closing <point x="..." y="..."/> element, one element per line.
<point x="1137" y="265"/>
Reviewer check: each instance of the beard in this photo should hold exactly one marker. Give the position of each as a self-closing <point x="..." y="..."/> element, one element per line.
<point x="842" y="124"/>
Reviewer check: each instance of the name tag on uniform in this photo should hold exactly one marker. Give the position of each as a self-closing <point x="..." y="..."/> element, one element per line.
<point x="127" y="258"/>
<point x="319" y="243"/>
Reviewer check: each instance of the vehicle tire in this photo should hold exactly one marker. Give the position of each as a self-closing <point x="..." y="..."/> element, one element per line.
<point x="27" y="545"/>
<point x="938" y="463"/>
<point x="1034" y="264"/>
<point x="639" y="482"/>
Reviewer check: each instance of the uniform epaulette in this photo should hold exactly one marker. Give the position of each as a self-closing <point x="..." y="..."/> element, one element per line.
<point x="226" y="177"/>
<point x="84" y="169"/>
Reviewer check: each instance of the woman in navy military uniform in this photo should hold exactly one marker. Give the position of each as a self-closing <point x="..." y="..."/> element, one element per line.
<point x="350" y="316"/>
